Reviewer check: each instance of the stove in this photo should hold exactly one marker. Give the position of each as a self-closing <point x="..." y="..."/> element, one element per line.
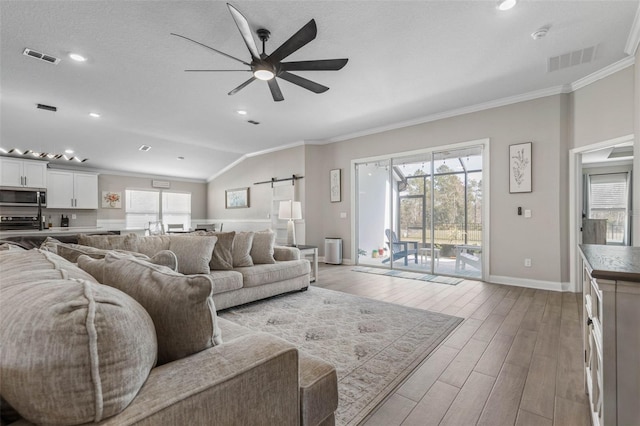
<point x="20" y="223"/>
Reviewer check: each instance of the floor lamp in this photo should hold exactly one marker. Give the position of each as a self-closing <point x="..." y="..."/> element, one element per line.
<point x="291" y="210"/>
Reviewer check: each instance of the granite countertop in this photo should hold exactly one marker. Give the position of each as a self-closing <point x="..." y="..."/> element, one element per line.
<point x="613" y="262"/>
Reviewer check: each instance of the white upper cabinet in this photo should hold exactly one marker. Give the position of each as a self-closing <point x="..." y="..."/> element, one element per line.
<point x="23" y="173"/>
<point x="72" y="190"/>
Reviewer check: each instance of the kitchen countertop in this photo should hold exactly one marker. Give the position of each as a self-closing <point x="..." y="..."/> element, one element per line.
<point x="621" y="263"/>
<point x="56" y="230"/>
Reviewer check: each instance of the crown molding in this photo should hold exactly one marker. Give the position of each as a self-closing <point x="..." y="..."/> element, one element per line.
<point x="227" y="168"/>
<point x="276" y="149"/>
<point x="604" y="72"/>
<point x="634" y="36"/>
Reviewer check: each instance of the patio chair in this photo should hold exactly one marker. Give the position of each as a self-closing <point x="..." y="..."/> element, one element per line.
<point x="155" y="228"/>
<point x="206" y="227"/>
<point x="172" y="227"/>
<point x="400" y="249"/>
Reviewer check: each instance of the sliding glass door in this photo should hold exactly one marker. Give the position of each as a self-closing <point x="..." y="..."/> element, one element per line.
<point x="422" y="212"/>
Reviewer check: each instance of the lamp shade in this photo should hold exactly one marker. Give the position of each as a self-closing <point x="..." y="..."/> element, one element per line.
<point x="290" y="210"/>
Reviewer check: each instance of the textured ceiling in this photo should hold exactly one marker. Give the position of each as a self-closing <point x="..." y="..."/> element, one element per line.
<point x="407" y="60"/>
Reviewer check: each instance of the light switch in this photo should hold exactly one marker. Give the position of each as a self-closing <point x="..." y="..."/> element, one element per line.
<point x="527" y="213"/>
<point x="343" y="215"/>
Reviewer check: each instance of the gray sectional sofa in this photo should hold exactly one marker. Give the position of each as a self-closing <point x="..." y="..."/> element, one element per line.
<point x="145" y="346"/>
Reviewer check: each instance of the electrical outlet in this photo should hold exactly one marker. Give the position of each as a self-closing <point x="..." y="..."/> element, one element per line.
<point x="527" y="262"/>
<point x="73" y="216"/>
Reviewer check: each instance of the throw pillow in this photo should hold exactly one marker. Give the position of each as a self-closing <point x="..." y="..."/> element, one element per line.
<point x="193" y="253"/>
<point x="241" y="249"/>
<point x="222" y="257"/>
<point x="95" y="267"/>
<point x="30" y="265"/>
<point x="74" y="351"/>
<point x="181" y="306"/>
<point x="152" y="244"/>
<point x="110" y="242"/>
<point x="262" y="247"/>
<point x="71" y="252"/>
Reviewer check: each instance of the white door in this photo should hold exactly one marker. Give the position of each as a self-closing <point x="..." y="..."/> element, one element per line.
<point x="60" y="190"/>
<point x="86" y="191"/>
<point x="10" y="172"/>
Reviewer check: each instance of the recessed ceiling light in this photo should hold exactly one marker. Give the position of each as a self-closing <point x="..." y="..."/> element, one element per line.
<point x="77" y="57"/>
<point x="68" y="151"/>
<point x="539" y="33"/>
<point x="506" y="4"/>
<point x="94" y="115"/>
<point x="242" y="112"/>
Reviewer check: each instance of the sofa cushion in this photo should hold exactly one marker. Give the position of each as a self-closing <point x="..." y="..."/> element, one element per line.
<point x="226" y="281"/>
<point x="28" y="265"/>
<point x="241" y="250"/>
<point x="152" y="244"/>
<point x="181" y="306"/>
<point x="74" y="351"/>
<point x="266" y="274"/>
<point x="262" y="247"/>
<point x="222" y="257"/>
<point x="193" y="253"/>
<point x="127" y="242"/>
<point x="318" y="389"/>
<point x="8" y="245"/>
<point x="95" y="267"/>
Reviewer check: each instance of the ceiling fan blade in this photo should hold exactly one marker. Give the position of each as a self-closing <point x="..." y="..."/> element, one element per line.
<point x="245" y="31"/>
<point x="217" y="70"/>
<point x="303" y="82"/>
<point x="295" y="42"/>
<point x="211" y="48"/>
<point x="275" y="90"/>
<point x="242" y="86"/>
<point x="320" y="65"/>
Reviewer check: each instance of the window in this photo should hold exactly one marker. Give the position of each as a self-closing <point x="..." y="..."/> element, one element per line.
<point x="608" y="198"/>
<point x="144" y="206"/>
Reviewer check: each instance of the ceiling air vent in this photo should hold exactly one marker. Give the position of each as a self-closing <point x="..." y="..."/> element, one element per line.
<point x="572" y="59"/>
<point x="47" y="107"/>
<point x="144" y="148"/>
<point x="43" y="57"/>
<point x="253" y="122"/>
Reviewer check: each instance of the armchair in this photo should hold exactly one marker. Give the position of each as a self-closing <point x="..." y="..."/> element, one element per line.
<point x="400" y="249"/>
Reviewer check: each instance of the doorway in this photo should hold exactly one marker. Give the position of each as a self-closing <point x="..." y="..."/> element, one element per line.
<point x="422" y="211"/>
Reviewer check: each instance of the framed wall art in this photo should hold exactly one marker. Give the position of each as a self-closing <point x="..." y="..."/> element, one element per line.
<point x="111" y="200"/>
<point x="236" y="198"/>
<point x="335" y="185"/>
<point x="520" y="164"/>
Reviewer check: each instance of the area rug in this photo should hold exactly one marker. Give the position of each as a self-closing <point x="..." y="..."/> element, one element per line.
<point x="410" y="275"/>
<point x="373" y="345"/>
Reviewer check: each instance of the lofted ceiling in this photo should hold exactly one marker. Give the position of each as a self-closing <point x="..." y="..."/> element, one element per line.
<point x="407" y="60"/>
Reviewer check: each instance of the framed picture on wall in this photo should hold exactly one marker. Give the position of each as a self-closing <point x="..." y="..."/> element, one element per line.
<point x="236" y="198"/>
<point x="335" y="185"/>
<point x="520" y="164"/>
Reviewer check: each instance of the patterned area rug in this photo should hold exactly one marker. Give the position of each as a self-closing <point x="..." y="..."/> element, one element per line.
<point x="410" y="275"/>
<point x="373" y="345"/>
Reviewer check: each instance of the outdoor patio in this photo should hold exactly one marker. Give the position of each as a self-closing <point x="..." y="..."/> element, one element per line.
<point x="444" y="266"/>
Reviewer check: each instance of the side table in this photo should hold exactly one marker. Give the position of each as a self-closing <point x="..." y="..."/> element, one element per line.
<point x="312" y="253"/>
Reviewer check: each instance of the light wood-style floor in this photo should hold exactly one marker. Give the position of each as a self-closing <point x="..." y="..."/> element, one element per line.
<point x="515" y="360"/>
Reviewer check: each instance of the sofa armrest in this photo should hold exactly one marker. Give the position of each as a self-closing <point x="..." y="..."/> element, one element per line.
<point x="251" y="380"/>
<point x="286" y="253"/>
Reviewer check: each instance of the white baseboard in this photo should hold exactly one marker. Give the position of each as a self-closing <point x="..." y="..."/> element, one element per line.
<point x="537" y="284"/>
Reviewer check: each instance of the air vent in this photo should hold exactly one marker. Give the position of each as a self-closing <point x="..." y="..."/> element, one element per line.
<point x="572" y="59"/>
<point x="144" y="148"/>
<point x="43" y="57"/>
<point x="253" y="122"/>
<point x="47" y="107"/>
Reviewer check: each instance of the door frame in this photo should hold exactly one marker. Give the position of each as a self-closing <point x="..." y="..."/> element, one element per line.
<point x="576" y="202"/>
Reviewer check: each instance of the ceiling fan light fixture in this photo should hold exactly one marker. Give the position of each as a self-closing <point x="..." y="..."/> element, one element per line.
<point x="506" y="4"/>
<point x="263" y="74"/>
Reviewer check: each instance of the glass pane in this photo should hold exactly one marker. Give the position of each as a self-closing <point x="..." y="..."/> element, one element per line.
<point x="176" y="219"/>
<point x="142" y="201"/>
<point x="373" y="212"/>
<point x="608" y="199"/>
<point x="140" y="220"/>
<point x="176" y="202"/>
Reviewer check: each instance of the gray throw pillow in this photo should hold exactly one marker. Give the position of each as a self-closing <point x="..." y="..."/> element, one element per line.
<point x="241" y="249"/>
<point x="262" y="247"/>
<point x="127" y="242"/>
<point x="181" y="306"/>
<point x="222" y="257"/>
<point x="95" y="267"/>
<point x="193" y="253"/>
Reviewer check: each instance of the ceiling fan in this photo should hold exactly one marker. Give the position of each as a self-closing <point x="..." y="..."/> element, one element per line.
<point x="268" y="67"/>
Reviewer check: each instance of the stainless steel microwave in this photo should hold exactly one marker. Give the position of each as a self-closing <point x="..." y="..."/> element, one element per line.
<point x="26" y="197"/>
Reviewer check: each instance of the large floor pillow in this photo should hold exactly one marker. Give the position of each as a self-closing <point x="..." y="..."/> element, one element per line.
<point x="73" y="351"/>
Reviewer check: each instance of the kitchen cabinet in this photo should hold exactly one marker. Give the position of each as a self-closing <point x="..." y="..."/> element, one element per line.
<point x="72" y="190"/>
<point x="611" y="333"/>
<point x="23" y="173"/>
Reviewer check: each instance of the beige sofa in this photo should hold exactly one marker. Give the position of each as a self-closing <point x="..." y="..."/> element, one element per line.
<point x="245" y="266"/>
<point x="147" y="350"/>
